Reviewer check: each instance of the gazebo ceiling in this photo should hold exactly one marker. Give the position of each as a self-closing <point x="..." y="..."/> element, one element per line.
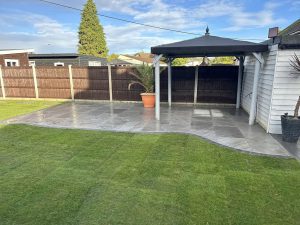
<point x="208" y="45"/>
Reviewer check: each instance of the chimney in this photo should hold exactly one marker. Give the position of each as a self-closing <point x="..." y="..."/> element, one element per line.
<point x="273" y="32"/>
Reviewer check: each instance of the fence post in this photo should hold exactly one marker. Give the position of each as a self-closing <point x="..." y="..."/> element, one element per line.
<point x="36" y="90"/>
<point x="196" y="85"/>
<point x="2" y="83"/>
<point x="110" y="82"/>
<point x="71" y="82"/>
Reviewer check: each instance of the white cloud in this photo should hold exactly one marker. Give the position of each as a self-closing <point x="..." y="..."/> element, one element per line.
<point x="42" y="33"/>
<point x="132" y="38"/>
<point x="238" y="17"/>
<point x="217" y="8"/>
<point x="129" y="7"/>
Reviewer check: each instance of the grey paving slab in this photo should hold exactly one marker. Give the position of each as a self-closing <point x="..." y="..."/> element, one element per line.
<point x="223" y="125"/>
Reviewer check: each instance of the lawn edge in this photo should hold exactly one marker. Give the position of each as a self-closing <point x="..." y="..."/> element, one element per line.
<point x="158" y="132"/>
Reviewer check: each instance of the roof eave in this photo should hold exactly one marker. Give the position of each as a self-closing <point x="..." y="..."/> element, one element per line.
<point x="16" y="51"/>
<point x="194" y="51"/>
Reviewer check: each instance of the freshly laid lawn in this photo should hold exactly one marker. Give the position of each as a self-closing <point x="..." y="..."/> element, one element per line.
<point x="11" y="108"/>
<point x="61" y="177"/>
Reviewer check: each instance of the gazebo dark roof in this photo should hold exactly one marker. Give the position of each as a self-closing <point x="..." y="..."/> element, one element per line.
<point x="208" y="45"/>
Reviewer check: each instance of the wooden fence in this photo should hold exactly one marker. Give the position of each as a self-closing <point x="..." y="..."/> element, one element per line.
<point x="216" y="84"/>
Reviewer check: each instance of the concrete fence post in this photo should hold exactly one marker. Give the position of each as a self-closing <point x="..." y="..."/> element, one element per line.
<point x="196" y="84"/>
<point x="36" y="90"/>
<point x="110" y="83"/>
<point x="71" y="82"/>
<point x="2" y="83"/>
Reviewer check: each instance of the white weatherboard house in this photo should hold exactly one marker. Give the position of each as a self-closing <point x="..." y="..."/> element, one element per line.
<point x="267" y="85"/>
<point x="278" y="85"/>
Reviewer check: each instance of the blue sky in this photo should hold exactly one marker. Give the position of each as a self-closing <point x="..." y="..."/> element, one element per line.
<point x="49" y="29"/>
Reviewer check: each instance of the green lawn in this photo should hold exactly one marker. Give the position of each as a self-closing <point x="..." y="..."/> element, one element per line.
<point x="11" y="108"/>
<point x="62" y="177"/>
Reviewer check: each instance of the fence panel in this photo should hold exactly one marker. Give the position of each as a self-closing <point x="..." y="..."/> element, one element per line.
<point x="121" y="78"/>
<point x="216" y="84"/>
<point x="18" y="82"/>
<point x="183" y="81"/>
<point x="53" y="82"/>
<point x="90" y="83"/>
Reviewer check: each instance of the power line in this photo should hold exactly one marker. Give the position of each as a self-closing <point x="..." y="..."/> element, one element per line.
<point x="120" y="19"/>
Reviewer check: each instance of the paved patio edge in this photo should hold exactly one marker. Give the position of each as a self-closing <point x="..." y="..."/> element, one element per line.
<point x="159" y="132"/>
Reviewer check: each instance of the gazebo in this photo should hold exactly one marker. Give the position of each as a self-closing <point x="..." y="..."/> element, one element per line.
<point x="207" y="46"/>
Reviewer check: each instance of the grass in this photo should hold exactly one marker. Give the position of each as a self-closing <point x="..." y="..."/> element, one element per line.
<point x="11" y="108"/>
<point x="61" y="177"/>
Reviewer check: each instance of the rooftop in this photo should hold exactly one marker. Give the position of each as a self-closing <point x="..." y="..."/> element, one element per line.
<point x="59" y="55"/>
<point x="292" y="29"/>
<point x="15" y="51"/>
<point x="208" y="45"/>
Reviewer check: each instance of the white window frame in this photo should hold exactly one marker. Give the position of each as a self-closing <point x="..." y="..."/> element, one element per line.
<point x="31" y="63"/>
<point x="12" y="61"/>
<point x="59" y="64"/>
<point x="95" y="63"/>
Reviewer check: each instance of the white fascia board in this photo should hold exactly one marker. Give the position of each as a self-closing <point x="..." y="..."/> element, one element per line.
<point x="16" y="51"/>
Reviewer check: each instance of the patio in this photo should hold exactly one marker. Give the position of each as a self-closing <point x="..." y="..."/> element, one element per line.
<point x="226" y="126"/>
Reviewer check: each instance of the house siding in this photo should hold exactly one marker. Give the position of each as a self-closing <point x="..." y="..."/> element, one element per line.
<point x="82" y="60"/>
<point x="22" y="57"/>
<point x="51" y="61"/>
<point x="85" y="59"/>
<point x="265" y="85"/>
<point x="286" y="89"/>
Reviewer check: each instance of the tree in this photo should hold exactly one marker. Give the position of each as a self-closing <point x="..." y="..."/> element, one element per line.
<point x="144" y="77"/>
<point x="91" y="36"/>
<point x="223" y="60"/>
<point x="112" y="57"/>
<point x="180" y="61"/>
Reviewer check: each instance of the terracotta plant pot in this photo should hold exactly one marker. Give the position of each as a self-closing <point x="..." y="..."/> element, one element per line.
<point x="148" y="99"/>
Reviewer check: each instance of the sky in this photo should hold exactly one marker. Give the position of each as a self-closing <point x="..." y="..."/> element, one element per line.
<point x="52" y="29"/>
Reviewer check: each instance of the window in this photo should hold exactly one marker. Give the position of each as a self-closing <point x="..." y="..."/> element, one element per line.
<point x="12" y="62"/>
<point x="94" y="63"/>
<point x="31" y="63"/>
<point x="59" y="64"/>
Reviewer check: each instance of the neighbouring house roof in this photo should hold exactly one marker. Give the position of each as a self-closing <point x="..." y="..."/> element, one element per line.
<point x="64" y="55"/>
<point x="143" y="57"/>
<point x="208" y="45"/>
<point x="15" y="51"/>
<point x="119" y="62"/>
<point x="69" y="58"/>
<point x="288" y="38"/>
<point x="55" y="55"/>
<point x="293" y="29"/>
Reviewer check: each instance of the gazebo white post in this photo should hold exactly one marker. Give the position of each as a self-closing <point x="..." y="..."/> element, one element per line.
<point x="196" y="85"/>
<point x="258" y="62"/>
<point x="239" y="85"/>
<point x="169" y="81"/>
<point x="157" y="86"/>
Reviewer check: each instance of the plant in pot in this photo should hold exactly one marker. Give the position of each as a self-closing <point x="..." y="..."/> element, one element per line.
<point x="291" y="124"/>
<point x="144" y="77"/>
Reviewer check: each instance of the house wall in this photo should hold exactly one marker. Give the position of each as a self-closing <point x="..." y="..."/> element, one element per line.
<point x="50" y="61"/>
<point x="286" y="89"/>
<point x="75" y="61"/>
<point x="85" y="59"/>
<point x="265" y="85"/>
<point x="22" y="57"/>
